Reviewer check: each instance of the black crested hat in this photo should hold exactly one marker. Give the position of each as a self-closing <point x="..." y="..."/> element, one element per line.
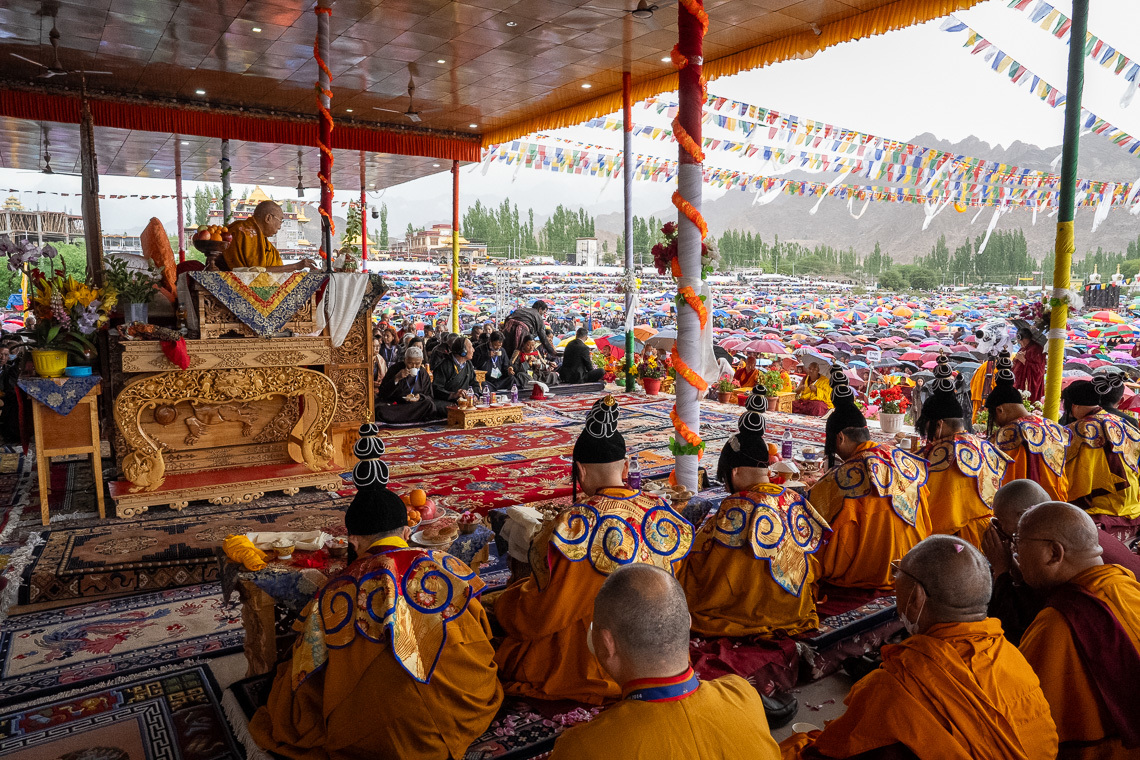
<point x="375" y="510"/>
<point x="370" y="470"/>
<point x="1003" y="392"/>
<point x="1082" y="393"/>
<point x="845" y="415"/>
<point x="943" y="404"/>
<point x="1109" y="385"/>
<point x="747" y="448"/>
<point x="600" y="442"/>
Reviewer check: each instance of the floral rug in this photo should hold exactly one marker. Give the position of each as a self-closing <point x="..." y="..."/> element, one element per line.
<point x="172" y="714"/>
<point x="451" y="450"/>
<point x="44" y="651"/>
<point x="583" y="401"/>
<point x="134" y="556"/>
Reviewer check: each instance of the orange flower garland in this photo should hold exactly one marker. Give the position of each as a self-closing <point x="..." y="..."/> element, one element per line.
<point x="326" y="182"/>
<point x="695" y="303"/>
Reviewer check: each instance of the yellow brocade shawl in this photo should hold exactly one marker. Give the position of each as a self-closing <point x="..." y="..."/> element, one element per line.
<point x="777" y="524"/>
<point x="1042" y="437"/>
<point x="403" y="597"/>
<point x="611" y="530"/>
<point x="890" y="473"/>
<point x="975" y="458"/>
<point x="1104" y="430"/>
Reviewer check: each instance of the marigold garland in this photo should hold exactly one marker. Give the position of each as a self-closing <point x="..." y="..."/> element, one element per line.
<point x="326" y="116"/>
<point x="695" y="303"/>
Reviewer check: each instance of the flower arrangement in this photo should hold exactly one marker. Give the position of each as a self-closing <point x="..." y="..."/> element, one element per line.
<point x="726" y="384"/>
<point x="131" y="285"/>
<point x="66" y="312"/>
<point x="773" y="381"/>
<point x="890" y="400"/>
<point x="665" y="254"/>
<point x="652" y="368"/>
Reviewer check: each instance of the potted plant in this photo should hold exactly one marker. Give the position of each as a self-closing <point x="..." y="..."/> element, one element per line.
<point x="651" y="370"/>
<point x="726" y="388"/>
<point x="773" y="382"/>
<point x="62" y="313"/>
<point x="892" y="406"/>
<point x="133" y="287"/>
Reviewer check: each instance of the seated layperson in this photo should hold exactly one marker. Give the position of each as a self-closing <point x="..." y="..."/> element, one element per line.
<point x="404" y="396"/>
<point x="965" y="470"/>
<point x="546" y="616"/>
<point x="1104" y="454"/>
<point x="492" y="359"/>
<point x="1085" y="643"/>
<point x="954" y="690"/>
<point x="377" y="671"/>
<point x="1036" y="445"/>
<point x="529" y="367"/>
<point x="753" y="568"/>
<point x="640" y="636"/>
<point x="875" y="501"/>
<point x="452" y="374"/>
<point x="577" y="366"/>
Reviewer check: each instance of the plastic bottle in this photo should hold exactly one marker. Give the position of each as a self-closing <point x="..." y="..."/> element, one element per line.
<point x="786" y="446"/>
<point x="471" y="394"/>
<point x="486" y="394"/>
<point x="635" y="472"/>
<point x="514" y="394"/>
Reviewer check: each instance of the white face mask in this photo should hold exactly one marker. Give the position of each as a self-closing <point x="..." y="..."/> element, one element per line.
<point x="911" y="626"/>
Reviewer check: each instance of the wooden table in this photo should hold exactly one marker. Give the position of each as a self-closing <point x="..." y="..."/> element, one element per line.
<point x="58" y="435"/>
<point x="488" y="416"/>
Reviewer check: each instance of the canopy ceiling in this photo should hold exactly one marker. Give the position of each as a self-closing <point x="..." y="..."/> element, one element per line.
<point x="509" y="66"/>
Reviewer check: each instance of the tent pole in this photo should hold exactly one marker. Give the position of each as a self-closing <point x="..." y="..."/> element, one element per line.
<point x="178" y="196"/>
<point x="627" y="190"/>
<point x="455" y="246"/>
<point x="363" y="216"/>
<point x="1065" y="245"/>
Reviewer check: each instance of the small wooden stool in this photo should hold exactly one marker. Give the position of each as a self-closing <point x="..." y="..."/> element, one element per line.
<point x="60" y="435"/>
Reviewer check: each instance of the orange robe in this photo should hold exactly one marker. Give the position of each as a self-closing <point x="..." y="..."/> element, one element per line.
<point x="965" y="473"/>
<point x="1101" y="466"/>
<point x="979" y="387"/>
<point x="753" y="566"/>
<point x="722" y="720"/>
<point x="250" y="246"/>
<point x="1049" y="647"/>
<point x="960" y="691"/>
<point x="877" y="505"/>
<point x="347" y="694"/>
<point x="546" y="616"/>
<point x="746" y="377"/>
<point x="1038" y="448"/>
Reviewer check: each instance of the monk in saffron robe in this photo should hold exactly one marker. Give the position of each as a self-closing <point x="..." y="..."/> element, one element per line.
<point x="1084" y="644"/>
<point x="965" y="470"/>
<point x="641" y="638"/>
<point x="875" y="502"/>
<point x="251" y="247"/>
<point x="955" y="689"/>
<point x="747" y="375"/>
<point x="395" y="659"/>
<point x="1037" y="446"/>
<point x="547" y="615"/>
<point x="981" y="383"/>
<point x="1104" y="455"/>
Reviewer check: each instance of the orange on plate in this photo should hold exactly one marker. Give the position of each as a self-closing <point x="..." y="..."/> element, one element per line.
<point x="417" y="497"/>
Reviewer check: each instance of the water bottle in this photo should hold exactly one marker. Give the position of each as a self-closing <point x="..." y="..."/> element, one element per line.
<point x="472" y="395"/>
<point x="635" y="472"/>
<point x="486" y="394"/>
<point x="514" y="394"/>
<point x="786" y="446"/>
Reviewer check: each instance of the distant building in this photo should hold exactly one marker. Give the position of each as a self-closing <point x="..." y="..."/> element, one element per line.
<point x="434" y="244"/>
<point x="585" y="253"/>
<point x="19" y="223"/>
<point x="124" y="244"/>
<point x="290" y="239"/>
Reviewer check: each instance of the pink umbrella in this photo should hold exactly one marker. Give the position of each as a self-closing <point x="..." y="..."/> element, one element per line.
<point x="767" y="347"/>
<point x="911" y="356"/>
<point x="929" y="365"/>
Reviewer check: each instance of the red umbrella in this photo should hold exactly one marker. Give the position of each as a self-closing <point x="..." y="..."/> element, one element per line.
<point x="911" y="356"/>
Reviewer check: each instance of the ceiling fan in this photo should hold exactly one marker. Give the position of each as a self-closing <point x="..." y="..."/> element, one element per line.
<point x="56" y="68"/>
<point x="412" y="114"/>
<point x="643" y="12"/>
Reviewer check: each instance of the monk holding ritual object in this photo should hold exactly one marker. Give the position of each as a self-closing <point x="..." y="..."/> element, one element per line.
<point x="954" y="690"/>
<point x="547" y="616"/>
<point x="1084" y="644"/>
<point x="965" y="470"/>
<point x="395" y="656"/>
<point x="640" y="635"/>
<point x="251" y="247"/>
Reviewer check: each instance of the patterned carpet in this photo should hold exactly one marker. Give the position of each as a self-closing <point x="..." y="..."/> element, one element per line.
<point x="44" y="651"/>
<point x="169" y="715"/>
<point x="465" y="449"/>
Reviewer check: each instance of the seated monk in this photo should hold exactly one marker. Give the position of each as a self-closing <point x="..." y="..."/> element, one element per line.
<point x="965" y="470"/>
<point x="747" y="375"/>
<point x="1036" y="445"/>
<point x="547" y="615"/>
<point x="813" y="397"/>
<point x="753" y="565"/>
<point x="1084" y="643"/>
<point x="876" y="504"/>
<point x="1014" y="602"/>
<point x="250" y="246"/>
<point x="955" y="689"/>
<point x="1104" y="455"/>
<point x="641" y="637"/>
<point x="378" y="671"/>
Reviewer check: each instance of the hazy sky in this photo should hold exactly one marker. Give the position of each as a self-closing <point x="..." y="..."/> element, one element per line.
<point x="896" y="85"/>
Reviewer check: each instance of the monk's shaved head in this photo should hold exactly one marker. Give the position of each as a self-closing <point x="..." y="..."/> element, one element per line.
<point x="1064" y="523"/>
<point x="1016" y="497"/>
<point x="1055" y="542"/>
<point x="955" y="576"/>
<point x="644" y="608"/>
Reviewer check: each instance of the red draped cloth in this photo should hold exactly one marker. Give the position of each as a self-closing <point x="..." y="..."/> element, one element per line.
<point x="1029" y="374"/>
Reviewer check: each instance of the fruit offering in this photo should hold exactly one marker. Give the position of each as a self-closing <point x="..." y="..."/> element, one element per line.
<point x="414" y="517"/>
<point x="216" y="233"/>
<point x="469" y="521"/>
